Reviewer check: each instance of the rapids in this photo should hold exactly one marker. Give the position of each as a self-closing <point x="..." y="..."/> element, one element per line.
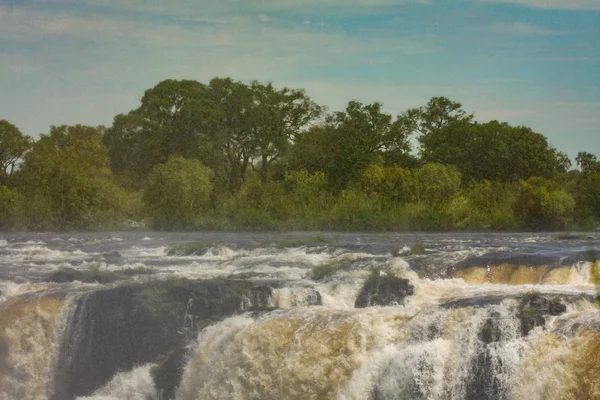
<point x="191" y="316"/>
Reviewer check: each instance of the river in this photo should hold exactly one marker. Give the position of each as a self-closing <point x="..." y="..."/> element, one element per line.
<point x="190" y="316"/>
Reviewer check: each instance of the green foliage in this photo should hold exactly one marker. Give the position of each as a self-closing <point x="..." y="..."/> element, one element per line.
<point x="587" y="162"/>
<point x="231" y="155"/>
<point x="586" y="191"/>
<point x="10" y="202"/>
<point x="349" y="142"/>
<point x="392" y="183"/>
<point x="436" y="184"/>
<point x="541" y="205"/>
<point x="417" y="248"/>
<point x="177" y="192"/>
<point x="13" y="145"/>
<point x="492" y="150"/>
<point x="489" y="206"/>
<point x="68" y="183"/>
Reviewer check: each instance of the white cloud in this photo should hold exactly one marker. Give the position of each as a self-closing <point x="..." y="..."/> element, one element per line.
<point x="521" y="28"/>
<point x="581" y="5"/>
<point x="185" y="7"/>
<point x="98" y="66"/>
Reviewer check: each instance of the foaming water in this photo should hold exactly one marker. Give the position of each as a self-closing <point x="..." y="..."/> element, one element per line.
<point x="300" y="354"/>
<point x="272" y="316"/>
<point x="30" y="329"/>
<point x="578" y="274"/>
<point x="563" y="363"/>
<point x="133" y="385"/>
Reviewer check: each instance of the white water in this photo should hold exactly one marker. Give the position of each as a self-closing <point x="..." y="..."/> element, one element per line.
<point x="419" y="350"/>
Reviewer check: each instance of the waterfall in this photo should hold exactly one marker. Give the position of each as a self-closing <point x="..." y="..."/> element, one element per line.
<point x="502" y="317"/>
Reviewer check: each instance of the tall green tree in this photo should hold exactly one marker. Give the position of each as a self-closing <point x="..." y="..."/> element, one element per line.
<point x="233" y="139"/>
<point x="429" y="122"/>
<point x="13" y="145"/>
<point x="67" y="181"/>
<point x="174" y="118"/>
<point x="350" y="141"/>
<point x="276" y="118"/>
<point x="586" y="189"/>
<point x="587" y="162"/>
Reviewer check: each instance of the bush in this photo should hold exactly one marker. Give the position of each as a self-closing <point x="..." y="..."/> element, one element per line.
<point x="393" y="184"/>
<point x="10" y="201"/>
<point x="177" y="192"/>
<point x="436" y="184"/>
<point x="541" y="205"/>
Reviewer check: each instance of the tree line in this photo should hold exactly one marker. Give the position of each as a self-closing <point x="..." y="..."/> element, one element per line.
<point x="231" y="155"/>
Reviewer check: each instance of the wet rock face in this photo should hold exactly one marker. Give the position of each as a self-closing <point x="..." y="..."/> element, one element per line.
<point x="383" y="290"/>
<point x="64" y="275"/>
<point x="168" y="371"/>
<point x="114" y="330"/>
<point x="490" y="331"/>
<point x="533" y="310"/>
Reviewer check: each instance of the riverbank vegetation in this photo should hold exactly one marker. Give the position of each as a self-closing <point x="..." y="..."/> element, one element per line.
<point x="230" y="155"/>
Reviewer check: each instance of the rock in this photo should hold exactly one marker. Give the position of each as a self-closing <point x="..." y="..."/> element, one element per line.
<point x="534" y="308"/>
<point x="383" y="290"/>
<point x="116" y="329"/>
<point x="168" y="371"/>
<point x="189" y="249"/>
<point x="258" y="298"/>
<point x="65" y="275"/>
<point x="490" y="331"/>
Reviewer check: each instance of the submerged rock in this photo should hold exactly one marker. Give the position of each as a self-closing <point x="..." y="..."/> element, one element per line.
<point x="533" y="310"/>
<point x="168" y="371"/>
<point x="189" y="249"/>
<point x="490" y="331"/>
<point x="383" y="290"/>
<point x="65" y="275"/>
<point x="116" y="329"/>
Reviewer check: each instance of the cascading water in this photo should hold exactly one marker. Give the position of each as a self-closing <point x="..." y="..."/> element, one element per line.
<point x="342" y="316"/>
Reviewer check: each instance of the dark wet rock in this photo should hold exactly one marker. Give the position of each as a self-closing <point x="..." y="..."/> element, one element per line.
<point x="117" y="329"/>
<point x="483" y="383"/>
<point x="65" y="275"/>
<point x="480" y="301"/>
<point x="383" y="290"/>
<point x="189" y="249"/>
<point x="113" y="257"/>
<point x="168" y="371"/>
<point x="490" y="330"/>
<point x="314" y="298"/>
<point x="534" y="309"/>
<point x="259" y="297"/>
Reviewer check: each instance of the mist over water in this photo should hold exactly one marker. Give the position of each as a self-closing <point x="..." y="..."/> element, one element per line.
<point x="298" y="316"/>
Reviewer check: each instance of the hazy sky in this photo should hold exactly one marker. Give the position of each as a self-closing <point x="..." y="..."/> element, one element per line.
<point x="531" y="62"/>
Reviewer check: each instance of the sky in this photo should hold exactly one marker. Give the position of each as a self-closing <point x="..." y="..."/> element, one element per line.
<point x="526" y="62"/>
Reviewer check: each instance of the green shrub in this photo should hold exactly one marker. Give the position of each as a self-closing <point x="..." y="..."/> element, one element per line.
<point x="10" y="201"/>
<point x="177" y="192"/>
<point x="541" y="205"/>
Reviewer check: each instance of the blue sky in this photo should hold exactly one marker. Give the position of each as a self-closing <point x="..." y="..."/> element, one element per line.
<point x="530" y="62"/>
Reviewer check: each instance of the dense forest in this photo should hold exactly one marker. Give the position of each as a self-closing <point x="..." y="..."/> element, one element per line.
<point x="231" y="155"/>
